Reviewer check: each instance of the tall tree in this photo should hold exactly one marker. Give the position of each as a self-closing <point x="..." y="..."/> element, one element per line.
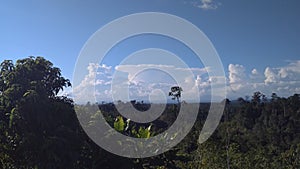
<point x="38" y="128"/>
<point x="175" y="92"/>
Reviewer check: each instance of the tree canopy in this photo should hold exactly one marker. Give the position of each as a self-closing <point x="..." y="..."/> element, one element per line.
<point x="40" y="130"/>
<point x="32" y="115"/>
<point x="175" y="92"/>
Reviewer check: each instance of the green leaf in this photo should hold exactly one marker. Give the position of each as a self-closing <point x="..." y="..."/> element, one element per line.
<point x="119" y="124"/>
<point x="11" y="117"/>
<point x="143" y="133"/>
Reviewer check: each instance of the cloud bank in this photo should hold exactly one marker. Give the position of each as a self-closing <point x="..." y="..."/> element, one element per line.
<point x="284" y="81"/>
<point x="146" y="80"/>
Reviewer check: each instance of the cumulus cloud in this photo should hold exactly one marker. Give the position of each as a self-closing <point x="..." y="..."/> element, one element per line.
<point x="270" y="75"/>
<point x="291" y="71"/>
<point x="133" y="70"/>
<point x="236" y="76"/>
<point x="97" y="75"/>
<point x="254" y="72"/>
<point x="282" y="80"/>
<point x="145" y="78"/>
<point x="286" y="74"/>
<point x="139" y="81"/>
<point x="205" y="4"/>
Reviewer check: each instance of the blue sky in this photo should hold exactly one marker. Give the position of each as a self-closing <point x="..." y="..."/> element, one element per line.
<point x="257" y="41"/>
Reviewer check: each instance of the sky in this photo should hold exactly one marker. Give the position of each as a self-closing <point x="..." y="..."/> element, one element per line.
<point x="257" y="43"/>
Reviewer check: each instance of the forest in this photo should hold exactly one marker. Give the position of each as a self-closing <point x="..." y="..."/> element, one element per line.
<point x="40" y="130"/>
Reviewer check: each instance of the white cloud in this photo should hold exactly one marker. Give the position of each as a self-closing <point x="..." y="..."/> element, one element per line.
<point x="141" y="80"/>
<point x="254" y="72"/>
<point x="270" y="75"/>
<point x="236" y="76"/>
<point x="144" y="78"/>
<point x="205" y="4"/>
<point x="288" y="73"/>
<point x="291" y="71"/>
<point x="133" y="70"/>
<point x="97" y="75"/>
<point x="282" y="80"/>
<point x="198" y="80"/>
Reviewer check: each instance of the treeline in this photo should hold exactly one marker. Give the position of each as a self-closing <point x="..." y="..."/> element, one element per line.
<point x="259" y="133"/>
<point x="40" y="130"/>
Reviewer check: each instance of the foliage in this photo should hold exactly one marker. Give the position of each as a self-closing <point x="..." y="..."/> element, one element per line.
<point x="119" y="124"/>
<point x="36" y="124"/>
<point x="175" y="92"/>
<point x="39" y="129"/>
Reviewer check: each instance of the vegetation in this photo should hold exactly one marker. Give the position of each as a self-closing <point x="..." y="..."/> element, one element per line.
<point x="40" y="130"/>
<point x="175" y="92"/>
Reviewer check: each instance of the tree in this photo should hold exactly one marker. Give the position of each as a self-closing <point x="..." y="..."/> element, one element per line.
<point x="175" y="92"/>
<point x="38" y="127"/>
<point x="256" y="98"/>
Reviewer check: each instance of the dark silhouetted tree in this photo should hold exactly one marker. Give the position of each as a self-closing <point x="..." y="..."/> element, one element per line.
<point x="175" y="92"/>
